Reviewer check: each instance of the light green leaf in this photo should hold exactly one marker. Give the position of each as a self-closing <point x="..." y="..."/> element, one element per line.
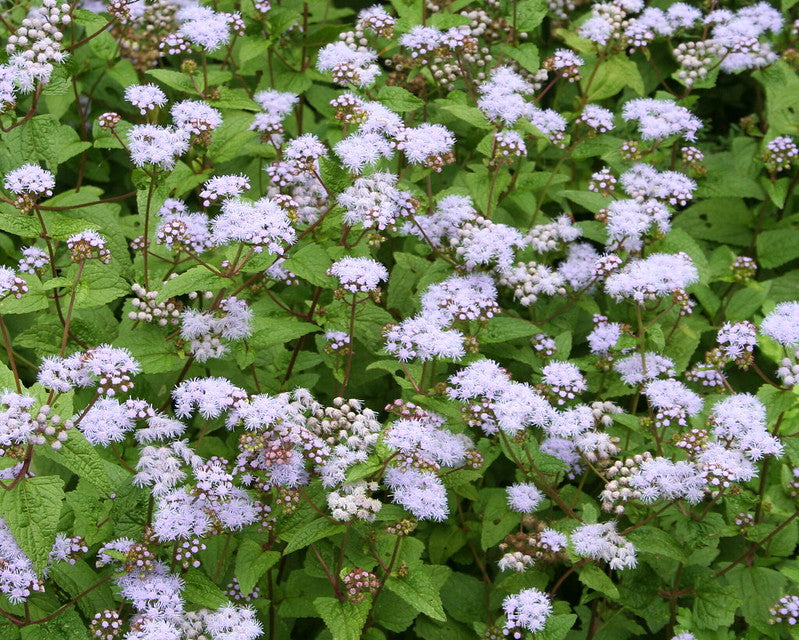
<point x="197" y="278"/>
<point x="419" y="591"/>
<point x="77" y="455"/>
<point x="652" y="540"/>
<point x="594" y="578"/>
<point x="31" y="511"/>
<point x="714" y="604"/>
<point x="301" y="536"/>
<point x="311" y="263"/>
<point x="200" y="590"/>
<point x="344" y="620"/>
<point x="252" y="562"/>
<point x="274" y="330"/>
<point x="399" y="99"/>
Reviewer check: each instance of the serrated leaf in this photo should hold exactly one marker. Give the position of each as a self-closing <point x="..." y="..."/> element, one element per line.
<point x="504" y="328"/>
<point x="777" y="246"/>
<point x="399" y="99"/>
<point x="311" y="263"/>
<point x="344" y="620"/>
<point x="31" y="511"/>
<point x="77" y="455"/>
<point x="657" y="542"/>
<point x="498" y="520"/>
<point x="557" y="627"/>
<point x="197" y="278"/>
<point x="99" y="285"/>
<point x="714" y="604"/>
<point x="274" y="330"/>
<point x="150" y="348"/>
<point x="594" y="578"/>
<point x="333" y="175"/>
<point x="200" y="590"/>
<point x="470" y="115"/>
<point x="419" y="591"/>
<point x="305" y="534"/>
<point x="252" y="562"/>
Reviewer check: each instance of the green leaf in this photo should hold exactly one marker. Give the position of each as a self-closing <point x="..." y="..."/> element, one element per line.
<point x="31" y="511"/>
<point x="66" y="625"/>
<point x="504" y="328"/>
<point x="333" y="175"/>
<point x="19" y="224"/>
<point x="714" y="604"/>
<point x="782" y="97"/>
<point x="594" y="578"/>
<point x="252" y="562"/>
<point x="150" y="348"/>
<point x="34" y="300"/>
<point x="92" y="513"/>
<point x="529" y="14"/>
<point x="470" y="115"/>
<point x="525" y="54"/>
<point x="498" y="520"/>
<point x="758" y="588"/>
<point x="197" y="278"/>
<point x="77" y="455"/>
<point x="612" y="75"/>
<point x="778" y="246"/>
<point x="419" y="591"/>
<point x="200" y="590"/>
<point x="344" y="620"/>
<point x="99" y="285"/>
<point x="311" y="263"/>
<point x="399" y="99"/>
<point x="557" y="627"/>
<point x="42" y="138"/>
<point x="652" y="540"/>
<point x="301" y="536"/>
<point x="274" y="330"/>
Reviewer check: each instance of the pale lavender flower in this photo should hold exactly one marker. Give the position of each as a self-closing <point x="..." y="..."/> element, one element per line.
<point x="263" y="224"/>
<point x="145" y="97"/>
<point x="195" y="116"/>
<point x="210" y="396"/>
<point x="305" y="150"/>
<point x="461" y="298"/>
<point x="782" y="324"/>
<point x="528" y="609"/>
<point x="233" y="622"/>
<point x="660" y="119"/>
<point x="359" y="275"/>
<point x="596" y="117"/>
<point x="30" y="179"/>
<point x="362" y="149"/>
<point x="349" y="65"/>
<point x="451" y="213"/>
<point x="524" y="498"/>
<point x="421" y="338"/>
<point x="660" y="478"/>
<point x="375" y="202"/>
<point x="222" y="188"/>
<point x="602" y="542"/>
<point x="657" y="276"/>
<point x="564" y="379"/>
<point x="107" y="421"/>
<point x="420" y="492"/>
<point x="673" y="402"/>
<point x="638" y="368"/>
<point x="428" y="144"/>
<point x="33" y="259"/>
<point x="159" y="146"/>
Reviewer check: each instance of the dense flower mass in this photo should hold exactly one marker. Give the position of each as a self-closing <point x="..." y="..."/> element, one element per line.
<point x="428" y="320"/>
